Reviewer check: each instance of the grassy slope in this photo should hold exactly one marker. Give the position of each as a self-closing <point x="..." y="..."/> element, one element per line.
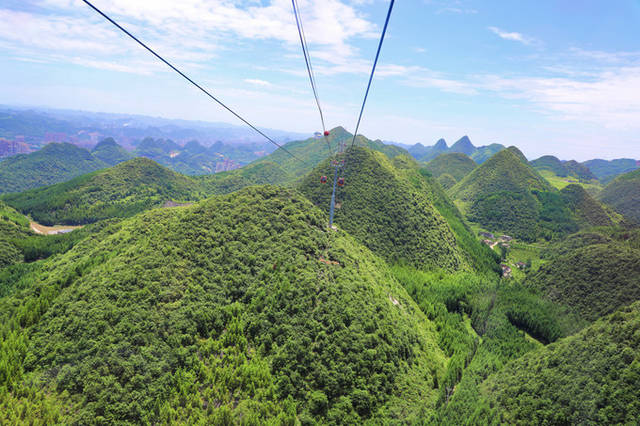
<point x="590" y="378"/>
<point x="219" y="312"/>
<point x="120" y="191"/>
<point x="456" y="164"/>
<point x="623" y="194"/>
<point x="52" y="164"/>
<point x="381" y="208"/>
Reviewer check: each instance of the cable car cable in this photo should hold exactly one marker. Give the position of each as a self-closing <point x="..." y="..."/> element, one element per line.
<point x="190" y="80"/>
<point x="373" y="70"/>
<point x="307" y="60"/>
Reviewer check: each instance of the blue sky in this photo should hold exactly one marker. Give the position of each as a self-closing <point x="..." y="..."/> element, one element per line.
<point x="550" y="76"/>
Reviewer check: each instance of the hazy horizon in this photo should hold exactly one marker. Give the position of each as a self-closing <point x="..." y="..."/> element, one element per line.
<point x="552" y="79"/>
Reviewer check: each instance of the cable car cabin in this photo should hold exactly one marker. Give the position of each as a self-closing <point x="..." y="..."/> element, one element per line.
<point x="326" y="133"/>
<point x="340" y="181"/>
<point x="323" y="179"/>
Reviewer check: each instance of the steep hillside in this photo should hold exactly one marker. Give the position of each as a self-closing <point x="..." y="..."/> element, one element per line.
<point x="483" y="153"/>
<point x="456" y="164"/>
<point x="447" y="181"/>
<point x="593" y="276"/>
<point x="120" y="191"/>
<point x="110" y="153"/>
<point x="505" y="194"/>
<point x="56" y="162"/>
<point x="586" y="210"/>
<point x="315" y="150"/>
<point x="381" y="209"/>
<point x="590" y="378"/>
<point x="605" y="170"/>
<point x="623" y="194"/>
<point x="241" y="309"/>
<point x="12" y="225"/>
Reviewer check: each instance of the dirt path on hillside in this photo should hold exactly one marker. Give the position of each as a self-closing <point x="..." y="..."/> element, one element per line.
<point x="51" y="230"/>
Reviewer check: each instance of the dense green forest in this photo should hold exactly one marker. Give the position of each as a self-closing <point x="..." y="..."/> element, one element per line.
<point x="238" y="305"/>
<point x="589" y="379"/>
<point x="242" y="308"/>
<point x="623" y="194"/>
<point x="385" y="212"/>
<point x="120" y="191"/>
<point x="457" y="165"/>
<point x="56" y="162"/>
<point x="586" y="210"/>
<point x="505" y="194"/>
<point x="593" y="273"/>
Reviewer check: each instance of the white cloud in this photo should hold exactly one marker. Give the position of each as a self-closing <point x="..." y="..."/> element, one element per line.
<point x="258" y="82"/>
<point x="513" y="36"/>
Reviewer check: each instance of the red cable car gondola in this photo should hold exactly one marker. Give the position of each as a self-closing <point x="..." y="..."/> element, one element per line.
<point x="323" y="179"/>
<point x="326" y="133"/>
<point x="340" y="181"/>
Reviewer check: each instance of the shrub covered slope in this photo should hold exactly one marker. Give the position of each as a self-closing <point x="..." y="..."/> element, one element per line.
<point x="240" y="309"/>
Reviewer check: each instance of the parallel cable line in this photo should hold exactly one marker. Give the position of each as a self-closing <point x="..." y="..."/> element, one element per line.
<point x="307" y="60"/>
<point x="373" y="70"/>
<point x="189" y="79"/>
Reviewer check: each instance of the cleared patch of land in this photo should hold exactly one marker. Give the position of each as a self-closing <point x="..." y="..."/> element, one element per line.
<point x="51" y="230"/>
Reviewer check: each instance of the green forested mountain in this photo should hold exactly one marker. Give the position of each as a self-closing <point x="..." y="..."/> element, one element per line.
<point x="586" y="210"/>
<point x="483" y="153"/>
<point x="457" y="165"/>
<point x="120" y="191"/>
<point x="506" y="194"/>
<point x="564" y="168"/>
<point x="241" y="309"/>
<point x="258" y="173"/>
<point x="623" y="194"/>
<point x="380" y="208"/>
<point x="590" y="378"/>
<point x="56" y="162"/>
<point x="109" y="152"/>
<point x="593" y="273"/>
<point x="315" y="150"/>
<point x="606" y="170"/>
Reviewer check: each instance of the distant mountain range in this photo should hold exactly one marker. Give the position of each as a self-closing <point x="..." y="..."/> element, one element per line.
<point x="39" y="126"/>
<point x="463" y="146"/>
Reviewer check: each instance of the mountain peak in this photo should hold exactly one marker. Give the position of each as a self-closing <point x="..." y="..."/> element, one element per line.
<point x="441" y="144"/>
<point x="464" y="146"/>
